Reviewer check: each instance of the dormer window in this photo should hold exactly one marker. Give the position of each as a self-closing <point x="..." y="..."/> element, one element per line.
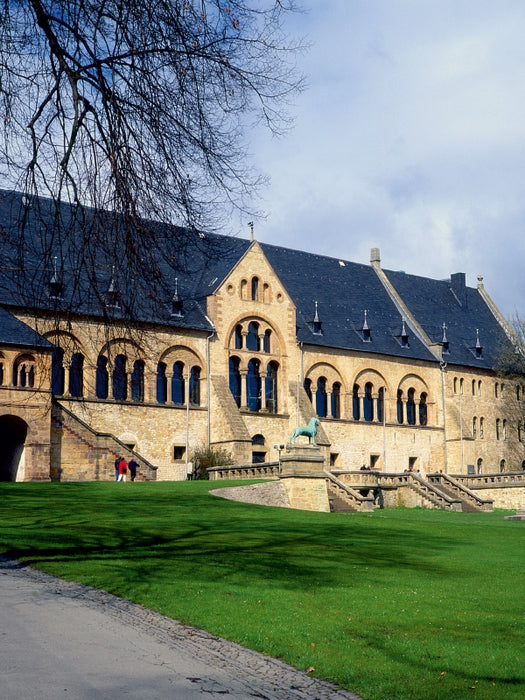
<point x="56" y="287"/>
<point x="112" y="294"/>
<point x="444" y="341"/>
<point x="177" y="309"/>
<point x="479" y="347"/>
<point x="404" y="335"/>
<point x="316" y="325"/>
<point x="365" y="330"/>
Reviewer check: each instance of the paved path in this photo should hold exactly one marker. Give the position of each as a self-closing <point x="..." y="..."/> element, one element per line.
<point x="65" y="640"/>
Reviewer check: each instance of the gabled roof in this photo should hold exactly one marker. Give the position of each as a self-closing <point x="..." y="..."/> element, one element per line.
<point x="475" y="337"/>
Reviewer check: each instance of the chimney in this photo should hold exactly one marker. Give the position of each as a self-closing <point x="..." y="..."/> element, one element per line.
<point x="375" y="257"/>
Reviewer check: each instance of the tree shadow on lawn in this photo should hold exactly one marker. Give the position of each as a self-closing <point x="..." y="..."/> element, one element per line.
<point x="288" y="552"/>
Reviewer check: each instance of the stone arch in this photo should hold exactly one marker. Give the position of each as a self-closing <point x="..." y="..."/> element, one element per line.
<point x="13" y="433"/>
<point x="242" y="321"/>
<point x="182" y="353"/>
<point x="67" y="342"/>
<point x="326" y="370"/>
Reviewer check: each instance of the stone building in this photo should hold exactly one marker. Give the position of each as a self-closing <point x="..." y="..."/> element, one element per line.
<point x="255" y="340"/>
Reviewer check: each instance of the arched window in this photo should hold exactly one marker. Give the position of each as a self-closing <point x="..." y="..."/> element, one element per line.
<point x="496" y="390"/>
<point x="244" y="288"/>
<point x="497" y="429"/>
<point x="266" y="340"/>
<point x="399" y="406"/>
<point x="336" y="400"/>
<point x="368" y="403"/>
<point x="120" y="379"/>
<point x="520" y="431"/>
<point x="270" y="387"/>
<point x="321" y="401"/>
<point x="252" y="339"/>
<point x="502" y="466"/>
<point x="474" y="427"/>
<point x="356" y="408"/>
<point x="518" y="392"/>
<point x="102" y="378"/>
<point x="162" y="383"/>
<point x="137" y="382"/>
<point x="255" y="289"/>
<point x="480" y="465"/>
<point x="76" y="375"/>
<point x="235" y="380"/>
<point x="266" y="293"/>
<point x="258" y="439"/>
<point x="504" y="429"/>
<point x="253" y="385"/>
<point x="423" y="409"/>
<point x="461" y="385"/>
<point x="411" y="407"/>
<point x="178" y="384"/>
<point x="1" y="373"/>
<point x="308" y="388"/>
<point x="57" y="372"/>
<point x="473" y="387"/>
<point x="479" y="387"/>
<point x="238" y="337"/>
<point x="455" y="385"/>
<point x="195" y="386"/>
<point x="481" y="428"/>
<point x="381" y="404"/>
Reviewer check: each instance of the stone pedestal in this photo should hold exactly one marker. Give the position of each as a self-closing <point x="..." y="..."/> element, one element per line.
<point x="303" y="478"/>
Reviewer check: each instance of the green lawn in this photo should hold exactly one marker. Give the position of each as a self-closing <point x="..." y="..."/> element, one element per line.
<point x="394" y="604"/>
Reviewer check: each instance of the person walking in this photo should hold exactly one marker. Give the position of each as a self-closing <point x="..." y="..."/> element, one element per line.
<point x="122" y="470"/>
<point x="117" y="462"/>
<point x="132" y="469"/>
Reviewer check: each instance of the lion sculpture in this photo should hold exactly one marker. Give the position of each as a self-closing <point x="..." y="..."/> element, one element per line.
<point x="309" y="430"/>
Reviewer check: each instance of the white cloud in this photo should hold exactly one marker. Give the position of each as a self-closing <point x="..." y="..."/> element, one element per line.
<point x="410" y="137"/>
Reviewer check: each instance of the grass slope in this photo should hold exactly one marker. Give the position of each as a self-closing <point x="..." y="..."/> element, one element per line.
<point x="394" y="604"/>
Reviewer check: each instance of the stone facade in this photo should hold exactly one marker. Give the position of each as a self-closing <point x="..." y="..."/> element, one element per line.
<point x="160" y="392"/>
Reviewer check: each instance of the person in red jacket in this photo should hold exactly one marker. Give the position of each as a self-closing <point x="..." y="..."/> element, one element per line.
<point x="122" y="470"/>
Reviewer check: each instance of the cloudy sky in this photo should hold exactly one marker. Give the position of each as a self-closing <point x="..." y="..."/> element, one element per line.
<point x="410" y="138"/>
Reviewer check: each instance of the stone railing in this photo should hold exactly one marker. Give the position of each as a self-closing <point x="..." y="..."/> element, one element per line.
<point x="461" y="491"/>
<point x="347" y="494"/>
<point x="265" y="470"/>
<point x="422" y="487"/>
<point x="480" y="481"/>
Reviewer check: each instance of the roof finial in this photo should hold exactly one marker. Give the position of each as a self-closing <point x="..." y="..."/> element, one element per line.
<point x="479" y="347"/>
<point x="176" y="301"/>
<point x="444" y="339"/>
<point x="250" y="224"/>
<point x="366" y="329"/>
<point x="317" y="326"/>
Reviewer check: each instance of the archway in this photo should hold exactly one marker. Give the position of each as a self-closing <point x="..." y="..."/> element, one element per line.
<point x="13" y="432"/>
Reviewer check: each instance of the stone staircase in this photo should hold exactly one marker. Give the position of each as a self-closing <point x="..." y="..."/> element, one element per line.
<point x="344" y="499"/>
<point x="470" y="501"/>
<point x="80" y="453"/>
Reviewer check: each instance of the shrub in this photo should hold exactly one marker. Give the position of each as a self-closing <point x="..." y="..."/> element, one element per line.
<point x="207" y="457"/>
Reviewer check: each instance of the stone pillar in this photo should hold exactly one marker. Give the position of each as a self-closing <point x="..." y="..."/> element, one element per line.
<point x="303" y="477"/>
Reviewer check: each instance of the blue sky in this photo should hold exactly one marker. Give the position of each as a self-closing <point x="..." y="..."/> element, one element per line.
<point x="410" y="137"/>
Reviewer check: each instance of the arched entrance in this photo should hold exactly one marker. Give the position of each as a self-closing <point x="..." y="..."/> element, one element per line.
<point x="13" y="432"/>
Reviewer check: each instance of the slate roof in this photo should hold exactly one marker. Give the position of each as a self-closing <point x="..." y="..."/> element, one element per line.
<point x="463" y="311"/>
<point x="342" y="289"/>
<point x="17" y="333"/>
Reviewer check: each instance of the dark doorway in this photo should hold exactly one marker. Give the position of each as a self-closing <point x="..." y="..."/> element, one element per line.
<point x="13" y="432"/>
